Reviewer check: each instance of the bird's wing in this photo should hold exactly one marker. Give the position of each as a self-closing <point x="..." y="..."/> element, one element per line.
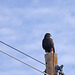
<point x="52" y="43"/>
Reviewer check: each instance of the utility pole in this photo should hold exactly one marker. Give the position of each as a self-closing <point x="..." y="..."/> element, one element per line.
<point x="51" y="61"/>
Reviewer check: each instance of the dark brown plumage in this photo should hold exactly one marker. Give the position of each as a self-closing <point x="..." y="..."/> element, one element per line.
<point x="47" y="43"/>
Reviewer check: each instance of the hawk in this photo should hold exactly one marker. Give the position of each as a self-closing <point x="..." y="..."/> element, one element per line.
<point x="47" y="43"/>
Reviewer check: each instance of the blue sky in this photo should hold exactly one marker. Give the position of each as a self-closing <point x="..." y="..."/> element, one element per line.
<point x="23" y="24"/>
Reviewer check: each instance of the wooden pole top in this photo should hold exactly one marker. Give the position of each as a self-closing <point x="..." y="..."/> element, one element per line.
<point x="51" y="61"/>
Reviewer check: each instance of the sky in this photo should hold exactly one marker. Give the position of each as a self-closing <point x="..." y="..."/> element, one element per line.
<point x="23" y="24"/>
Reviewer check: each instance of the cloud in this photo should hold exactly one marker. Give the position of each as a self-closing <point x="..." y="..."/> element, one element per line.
<point x="7" y="17"/>
<point x="24" y="27"/>
<point x="6" y="31"/>
<point x="7" y="34"/>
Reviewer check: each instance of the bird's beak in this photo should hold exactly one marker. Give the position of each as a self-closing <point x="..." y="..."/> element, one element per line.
<point x="50" y="35"/>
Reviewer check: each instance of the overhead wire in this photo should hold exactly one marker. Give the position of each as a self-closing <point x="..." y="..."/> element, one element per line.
<point x="22" y="52"/>
<point x="23" y="62"/>
<point x="26" y="54"/>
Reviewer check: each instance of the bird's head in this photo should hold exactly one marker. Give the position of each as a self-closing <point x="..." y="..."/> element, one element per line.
<point x="48" y="35"/>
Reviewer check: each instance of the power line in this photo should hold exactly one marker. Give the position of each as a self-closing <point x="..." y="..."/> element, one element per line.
<point x="25" y="54"/>
<point x="22" y="52"/>
<point x="23" y="62"/>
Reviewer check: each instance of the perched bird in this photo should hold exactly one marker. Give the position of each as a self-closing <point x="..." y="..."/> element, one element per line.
<point x="47" y="43"/>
